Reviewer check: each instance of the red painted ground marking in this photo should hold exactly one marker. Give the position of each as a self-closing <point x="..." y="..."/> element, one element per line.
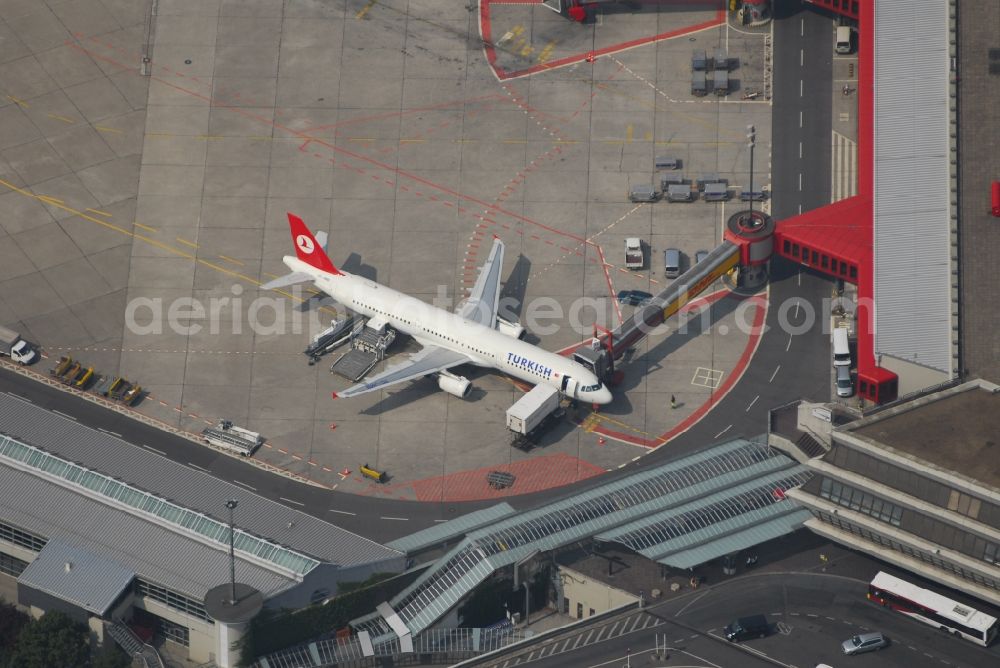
<point x="283" y="451"/>
<point x="312" y="463"/>
<point x="397" y="114"/>
<point x="718" y="395"/>
<point x="194" y="416"/>
<point x="296" y="457"/>
<point x="345" y="151"/>
<point x="536" y="474"/>
<point x="486" y="31"/>
<point x="328" y="470"/>
<point x="332" y="426"/>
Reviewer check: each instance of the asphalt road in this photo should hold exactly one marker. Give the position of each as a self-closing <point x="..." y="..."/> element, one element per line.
<point x="802" y="115"/>
<point x="810" y="613"/>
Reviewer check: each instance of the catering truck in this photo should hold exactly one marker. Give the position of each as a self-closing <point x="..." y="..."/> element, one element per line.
<point x="532" y="414"/>
<point x="633" y="253"/>
<point x="12" y="345"/>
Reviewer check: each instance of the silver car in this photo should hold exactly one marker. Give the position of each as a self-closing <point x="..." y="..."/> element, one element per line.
<point x="845" y="386"/>
<point x="865" y="642"/>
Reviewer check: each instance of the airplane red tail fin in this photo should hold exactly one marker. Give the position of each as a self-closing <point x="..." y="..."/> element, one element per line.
<point x="306" y="247"/>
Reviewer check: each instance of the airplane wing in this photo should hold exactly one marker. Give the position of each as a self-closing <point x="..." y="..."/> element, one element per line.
<point x="484" y="300"/>
<point x="428" y="360"/>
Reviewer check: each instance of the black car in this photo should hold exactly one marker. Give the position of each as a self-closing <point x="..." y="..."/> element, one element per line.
<point x="744" y="628"/>
<point x="633" y="297"/>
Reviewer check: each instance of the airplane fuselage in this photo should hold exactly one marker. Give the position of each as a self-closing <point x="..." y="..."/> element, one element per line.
<point x="485" y="346"/>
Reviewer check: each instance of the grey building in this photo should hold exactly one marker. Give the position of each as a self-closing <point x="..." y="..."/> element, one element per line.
<point x="916" y="485"/>
<point x="117" y="536"/>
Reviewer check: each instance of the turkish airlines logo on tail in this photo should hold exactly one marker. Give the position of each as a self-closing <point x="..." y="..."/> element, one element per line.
<point x="305" y="244"/>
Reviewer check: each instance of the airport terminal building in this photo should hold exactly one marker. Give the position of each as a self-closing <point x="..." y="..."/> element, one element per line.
<point x="129" y="542"/>
<point x="917" y="485"/>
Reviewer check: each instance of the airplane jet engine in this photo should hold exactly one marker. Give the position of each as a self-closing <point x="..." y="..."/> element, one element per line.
<point x="515" y="330"/>
<point x="456" y="385"/>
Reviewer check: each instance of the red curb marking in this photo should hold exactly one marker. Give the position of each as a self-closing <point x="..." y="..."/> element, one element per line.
<point x="717" y="395"/>
<point x="486" y="30"/>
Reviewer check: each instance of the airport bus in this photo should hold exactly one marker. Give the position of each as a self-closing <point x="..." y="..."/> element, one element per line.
<point x="933" y="609"/>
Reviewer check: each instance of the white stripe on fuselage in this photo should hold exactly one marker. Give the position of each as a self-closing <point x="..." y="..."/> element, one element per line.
<point x="432" y="325"/>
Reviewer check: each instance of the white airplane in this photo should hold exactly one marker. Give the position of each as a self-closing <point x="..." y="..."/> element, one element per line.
<point x="474" y="334"/>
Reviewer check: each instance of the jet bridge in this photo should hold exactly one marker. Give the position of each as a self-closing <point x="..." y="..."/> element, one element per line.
<point x="745" y="251"/>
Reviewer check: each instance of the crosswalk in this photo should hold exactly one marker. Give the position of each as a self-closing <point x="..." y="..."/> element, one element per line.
<point x="844" y="170"/>
<point x="590" y="635"/>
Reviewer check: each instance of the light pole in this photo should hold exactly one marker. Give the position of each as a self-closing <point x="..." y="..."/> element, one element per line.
<point x="231" y="504"/>
<point x="751" y="142"/>
<point x="527" y="603"/>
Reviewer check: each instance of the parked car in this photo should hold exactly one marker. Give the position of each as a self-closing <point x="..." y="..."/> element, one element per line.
<point x="700" y="255"/>
<point x="865" y="642"/>
<point x="845" y="386"/>
<point x="633" y="297"/>
<point x="744" y="628"/>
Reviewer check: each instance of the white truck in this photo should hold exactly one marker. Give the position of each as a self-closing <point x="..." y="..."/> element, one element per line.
<point x="18" y="349"/>
<point x="633" y="253"/>
<point x="531" y="414"/>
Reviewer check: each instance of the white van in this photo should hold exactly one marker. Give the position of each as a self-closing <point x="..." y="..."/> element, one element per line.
<point x="841" y="348"/>
<point x="672" y="263"/>
<point x="843" y="39"/>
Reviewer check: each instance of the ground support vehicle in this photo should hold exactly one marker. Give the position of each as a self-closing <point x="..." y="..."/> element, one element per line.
<point x="532" y="415"/>
<point x="374" y="474"/>
<point x="12" y="345"/>
<point x="634" y="258"/>
<point x="236" y="439"/>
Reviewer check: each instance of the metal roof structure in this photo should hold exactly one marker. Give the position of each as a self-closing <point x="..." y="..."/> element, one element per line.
<point x="694" y="486"/>
<point x="728" y="521"/>
<point x="75" y="575"/>
<point x="912" y="183"/>
<point x="116" y="493"/>
<point x="452" y="528"/>
<point x="196" y="491"/>
<point x="152" y="551"/>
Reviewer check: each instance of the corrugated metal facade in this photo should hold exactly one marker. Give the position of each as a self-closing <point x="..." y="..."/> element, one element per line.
<point x="911" y="183"/>
<point x="185" y="486"/>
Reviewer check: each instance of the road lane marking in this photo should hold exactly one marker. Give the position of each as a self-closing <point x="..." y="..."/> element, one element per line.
<point x="64" y="415"/>
<point x="298" y="503"/>
<point x="149" y="447"/>
<point x="774" y="374"/>
<point x="243" y="484"/>
<point x="752" y="403"/>
<point x="200" y="468"/>
<point x="111" y="433"/>
<point x="723" y="431"/>
<point x="396" y="519"/>
<point x="341" y="512"/>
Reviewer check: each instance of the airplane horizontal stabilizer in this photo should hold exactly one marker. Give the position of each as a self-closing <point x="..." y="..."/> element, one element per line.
<point x="288" y="279"/>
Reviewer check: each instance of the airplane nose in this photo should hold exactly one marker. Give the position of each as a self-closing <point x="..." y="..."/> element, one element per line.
<point x="603" y="396"/>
